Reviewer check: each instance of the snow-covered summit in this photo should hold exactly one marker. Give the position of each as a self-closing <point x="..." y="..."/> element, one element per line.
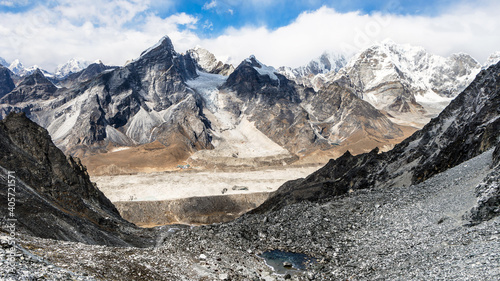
<point x="407" y="81"/>
<point x="17" y="67"/>
<point x="261" y="68"/>
<point x="492" y="59"/>
<point x="72" y="66"/>
<point x="313" y="73"/>
<point x="164" y="41"/>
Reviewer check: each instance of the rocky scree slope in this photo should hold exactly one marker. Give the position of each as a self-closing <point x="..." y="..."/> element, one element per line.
<point x="467" y="127"/>
<point x="410" y="233"/>
<point x="54" y="197"/>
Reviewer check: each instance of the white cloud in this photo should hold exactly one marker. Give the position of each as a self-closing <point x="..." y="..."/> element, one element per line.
<point x="118" y="30"/>
<point x="93" y="30"/>
<point x="467" y="28"/>
<point x="210" y="5"/>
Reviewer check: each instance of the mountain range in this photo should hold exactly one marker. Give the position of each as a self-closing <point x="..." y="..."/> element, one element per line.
<point x="191" y="107"/>
<point x="372" y="216"/>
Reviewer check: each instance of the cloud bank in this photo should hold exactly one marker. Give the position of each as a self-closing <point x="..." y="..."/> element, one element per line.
<point x="119" y="30"/>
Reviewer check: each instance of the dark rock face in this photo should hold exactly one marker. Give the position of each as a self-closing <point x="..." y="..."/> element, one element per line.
<point x="54" y="195"/>
<point x="488" y="194"/>
<point x="31" y="88"/>
<point x="249" y="83"/>
<point x="488" y="199"/>
<point x="469" y="126"/>
<point x="6" y="82"/>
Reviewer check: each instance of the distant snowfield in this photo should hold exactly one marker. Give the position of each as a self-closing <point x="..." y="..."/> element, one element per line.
<point x="185" y="184"/>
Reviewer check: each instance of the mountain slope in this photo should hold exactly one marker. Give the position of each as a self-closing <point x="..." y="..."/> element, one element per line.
<point x="6" y="82"/>
<point x="32" y="88"/>
<point x="407" y="82"/>
<point x="54" y="196"/>
<point x="468" y="126"/>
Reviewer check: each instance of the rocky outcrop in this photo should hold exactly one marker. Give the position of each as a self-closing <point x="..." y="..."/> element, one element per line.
<point x="54" y="197"/>
<point x="488" y="194"/>
<point x="469" y="126"/>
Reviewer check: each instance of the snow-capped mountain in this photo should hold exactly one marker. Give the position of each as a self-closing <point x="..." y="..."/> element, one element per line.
<point x="88" y="73"/>
<point x="74" y="65"/>
<point x="492" y="59"/>
<point x="467" y="127"/>
<point x="407" y="82"/>
<point x="209" y="63"/>
<point x="313" y="74"/>
<point x="168" y="98"/>
<point x="17" y="67"/>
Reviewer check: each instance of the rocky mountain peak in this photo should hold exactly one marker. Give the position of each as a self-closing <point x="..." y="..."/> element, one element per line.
<point x="36" y="78"/>
<point x="164" y="45"/>
<point x="17" y="67"/>
<point x="209" y="63"/>
<point x="32" y="87"/>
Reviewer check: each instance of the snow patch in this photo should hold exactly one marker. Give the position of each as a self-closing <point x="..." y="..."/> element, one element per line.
<point x="207" y="84"/>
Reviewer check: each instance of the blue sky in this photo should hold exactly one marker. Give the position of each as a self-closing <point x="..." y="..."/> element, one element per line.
<point x="278" y="32"/>
<point x="219" y="15"/>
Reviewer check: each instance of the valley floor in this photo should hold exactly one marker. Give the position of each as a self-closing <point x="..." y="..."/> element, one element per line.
<point x="401" y="233"/>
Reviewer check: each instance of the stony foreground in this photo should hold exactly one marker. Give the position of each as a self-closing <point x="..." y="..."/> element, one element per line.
<point x="406" y="233"/>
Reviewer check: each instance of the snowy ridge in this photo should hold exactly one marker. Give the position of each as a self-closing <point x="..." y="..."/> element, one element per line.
<point x="72" y="66"/>
<point x="261" y="68"/>
<point x="492" y="59"/>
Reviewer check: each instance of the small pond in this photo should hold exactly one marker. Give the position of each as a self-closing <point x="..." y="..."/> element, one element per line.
<point x="277" y="259"/>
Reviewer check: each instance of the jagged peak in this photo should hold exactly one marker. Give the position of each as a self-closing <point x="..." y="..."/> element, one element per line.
<point x="165" y="44"/>
<point x="261" y="68"/>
